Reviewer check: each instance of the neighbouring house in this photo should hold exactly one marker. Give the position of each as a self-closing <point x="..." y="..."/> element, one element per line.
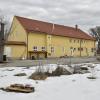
<point x="35" y="39"/>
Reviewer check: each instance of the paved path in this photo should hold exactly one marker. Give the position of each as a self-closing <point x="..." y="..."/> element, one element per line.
<point x="28" y="63"/>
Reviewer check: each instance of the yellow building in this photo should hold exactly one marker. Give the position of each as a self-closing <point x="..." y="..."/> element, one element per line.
<point x="35" y="39"/>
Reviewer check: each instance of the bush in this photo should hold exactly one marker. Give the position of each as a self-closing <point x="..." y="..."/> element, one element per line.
<point x="60" y="71"/>
<point x="98" y="58"/>
<point x="84" y="68"/>
<point x="38" y="76"/>
<point x="90" y="77"/>
<point x="20" y="74"/>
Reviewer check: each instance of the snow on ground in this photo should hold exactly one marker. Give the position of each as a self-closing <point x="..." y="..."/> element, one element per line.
<point x="69" y="87"/>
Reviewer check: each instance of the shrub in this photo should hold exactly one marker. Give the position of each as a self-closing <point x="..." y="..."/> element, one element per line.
<point x="90" y="77"/>
<point x="20" y="74"/>
<point x="38" y="76"/>
<point x="98" y="58"/>
<point x="60" y="71"/>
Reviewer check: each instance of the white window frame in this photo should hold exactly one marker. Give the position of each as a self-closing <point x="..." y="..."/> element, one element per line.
<point x="35" y="48"/>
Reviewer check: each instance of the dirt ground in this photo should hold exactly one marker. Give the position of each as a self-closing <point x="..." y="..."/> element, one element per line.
<point x="29" y="63"/>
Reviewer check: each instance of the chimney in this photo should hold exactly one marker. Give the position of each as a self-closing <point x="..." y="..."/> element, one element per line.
<point x="76" y="26"/>
<point x="53" y="27"/>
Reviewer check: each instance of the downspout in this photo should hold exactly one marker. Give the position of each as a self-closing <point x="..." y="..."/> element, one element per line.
<point x="95" y="53"/>
<point x="52" y="30"/>
<point x="27" y="45"/>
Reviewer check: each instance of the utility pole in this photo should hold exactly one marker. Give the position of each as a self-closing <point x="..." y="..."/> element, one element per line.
<point x="80" y="47"/>
<point x="27" y="45"/>
<point x="71" y="57"/>
<point x="1" y="41"/>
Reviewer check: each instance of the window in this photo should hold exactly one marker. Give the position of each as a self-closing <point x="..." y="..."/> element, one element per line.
<point x="78" y="41"/>
<point x="43" y="48"/>
<point x="74" y="41"/>
<point x="74" y="49"/>
<point x="49" y="37"/>
<point x="35" y="48"/>
<point x="52" y="49"/>
<point x="92" y="49"/>
<point x="71" y="48"/>
<point x="70" y="40"/>
<point x="81" y="41"/>
<point x="80" y="49"/>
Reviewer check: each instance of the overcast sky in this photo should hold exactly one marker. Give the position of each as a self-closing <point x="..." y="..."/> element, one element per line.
<point x="85" y="13"/>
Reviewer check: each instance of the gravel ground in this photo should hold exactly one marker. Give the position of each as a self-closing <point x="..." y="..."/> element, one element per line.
<point x="29" y="63"/>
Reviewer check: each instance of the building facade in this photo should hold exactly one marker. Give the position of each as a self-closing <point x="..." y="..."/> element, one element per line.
<point x="36" y="39"/>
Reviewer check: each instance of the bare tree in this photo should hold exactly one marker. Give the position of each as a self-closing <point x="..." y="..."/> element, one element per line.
<point x="3" y="32"/>
<point x="95" y="32"/>
<point x="4" y="19"/>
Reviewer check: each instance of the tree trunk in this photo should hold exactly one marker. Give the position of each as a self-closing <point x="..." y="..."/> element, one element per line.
<point x="98" y="50"/>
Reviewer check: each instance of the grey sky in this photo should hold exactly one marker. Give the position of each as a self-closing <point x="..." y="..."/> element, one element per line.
<point x="85" y="13"/>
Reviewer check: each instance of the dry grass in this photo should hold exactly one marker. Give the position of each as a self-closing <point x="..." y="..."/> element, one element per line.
<point x="38" y="76"/>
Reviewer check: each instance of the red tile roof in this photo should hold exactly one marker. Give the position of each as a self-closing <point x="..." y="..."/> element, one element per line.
<point x="31" y="25"/>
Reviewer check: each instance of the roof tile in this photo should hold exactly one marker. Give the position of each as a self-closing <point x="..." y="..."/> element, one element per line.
<point x="31" y="25"/>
